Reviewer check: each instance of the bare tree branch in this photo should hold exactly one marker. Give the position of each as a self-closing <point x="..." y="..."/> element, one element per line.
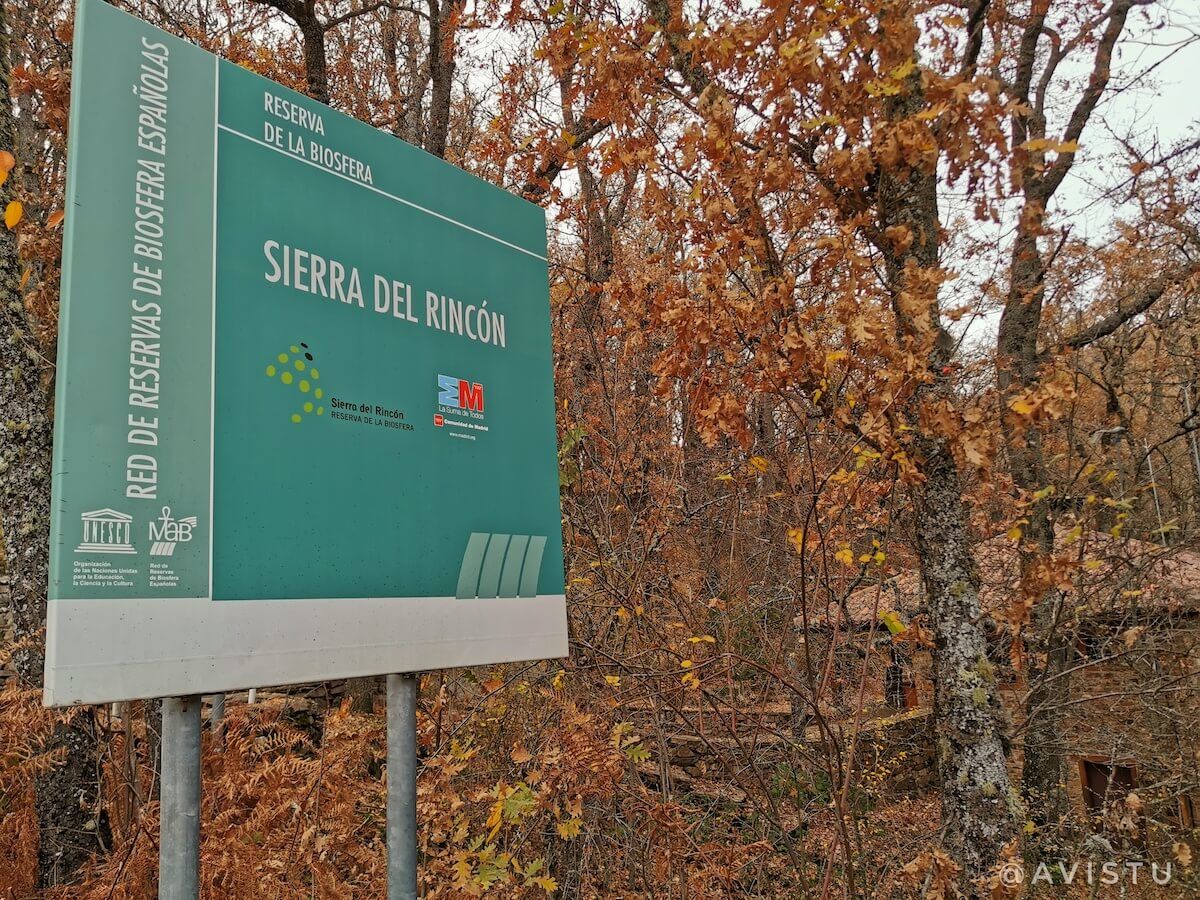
<point x="369" y="8"/>
<point x="543" y="177"/>
<point x="975" y="24"/>
<point x="1115" y="320"/>
<point x="1097" y="82"/>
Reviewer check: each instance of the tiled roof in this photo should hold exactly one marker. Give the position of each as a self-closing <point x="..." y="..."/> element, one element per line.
<point x="1106" y="576"/>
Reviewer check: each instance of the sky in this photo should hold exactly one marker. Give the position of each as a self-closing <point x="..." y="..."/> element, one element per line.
<point x="1154" y="97"/>
<point x="1163" y="107"/>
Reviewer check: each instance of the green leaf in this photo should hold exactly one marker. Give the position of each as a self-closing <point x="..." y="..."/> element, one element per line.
<point x="892" y="621"/>
<point x="534" y="867"/>
<point x="637" y="753"/>
<point x="519" y="803"/>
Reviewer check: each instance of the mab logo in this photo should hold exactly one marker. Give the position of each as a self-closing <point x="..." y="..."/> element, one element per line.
<point x="460" y="393"/>
<point x="169" y="531"/>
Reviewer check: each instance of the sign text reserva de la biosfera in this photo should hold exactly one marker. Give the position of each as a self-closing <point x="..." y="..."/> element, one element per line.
<point x="303" y="270"/>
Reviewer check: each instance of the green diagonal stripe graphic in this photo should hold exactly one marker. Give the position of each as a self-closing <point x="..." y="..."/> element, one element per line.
<point x="489" y="579"/>
<point x="533" y="566"/>
<point x="468" y="573"/>
<point x="510" y="580"/>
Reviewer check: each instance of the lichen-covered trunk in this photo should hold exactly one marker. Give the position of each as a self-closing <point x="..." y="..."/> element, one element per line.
<point x="978" y="814"/>
<point x="978" y="808"/>
<point x="66" y="797"/>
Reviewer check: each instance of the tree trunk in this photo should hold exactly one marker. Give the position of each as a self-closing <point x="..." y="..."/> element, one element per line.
<point x="1019" y="369"/>
<point x="316" y="70"/>
<point x="67" y="796"/>
<point x="389" y="42"/>
<point x="1047" y="646"/>
<point x="417" y="77"/>
<point x="978" y="818"/>
<point x="443" y="22"/>
<point x="312" y="33"/>
<point x="977" y="807"/>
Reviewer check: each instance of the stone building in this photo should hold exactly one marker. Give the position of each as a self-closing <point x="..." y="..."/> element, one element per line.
<point x="1131" y="725"/>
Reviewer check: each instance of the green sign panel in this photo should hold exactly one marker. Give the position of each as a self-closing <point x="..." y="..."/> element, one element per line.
<point x="299" y="358"/>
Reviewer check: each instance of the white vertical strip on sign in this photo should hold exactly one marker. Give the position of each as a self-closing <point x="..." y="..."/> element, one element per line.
<point x="212" y="337"/>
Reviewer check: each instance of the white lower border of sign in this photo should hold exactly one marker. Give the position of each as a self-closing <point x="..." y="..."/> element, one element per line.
<point x="102" y="651"/>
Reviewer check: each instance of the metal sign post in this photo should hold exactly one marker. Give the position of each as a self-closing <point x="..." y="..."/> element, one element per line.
<point x="179" y="821"/>
<point x="402" y="786"/>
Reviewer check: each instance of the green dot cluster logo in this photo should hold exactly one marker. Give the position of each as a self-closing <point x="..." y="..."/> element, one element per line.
<point x="296" y="369"/>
